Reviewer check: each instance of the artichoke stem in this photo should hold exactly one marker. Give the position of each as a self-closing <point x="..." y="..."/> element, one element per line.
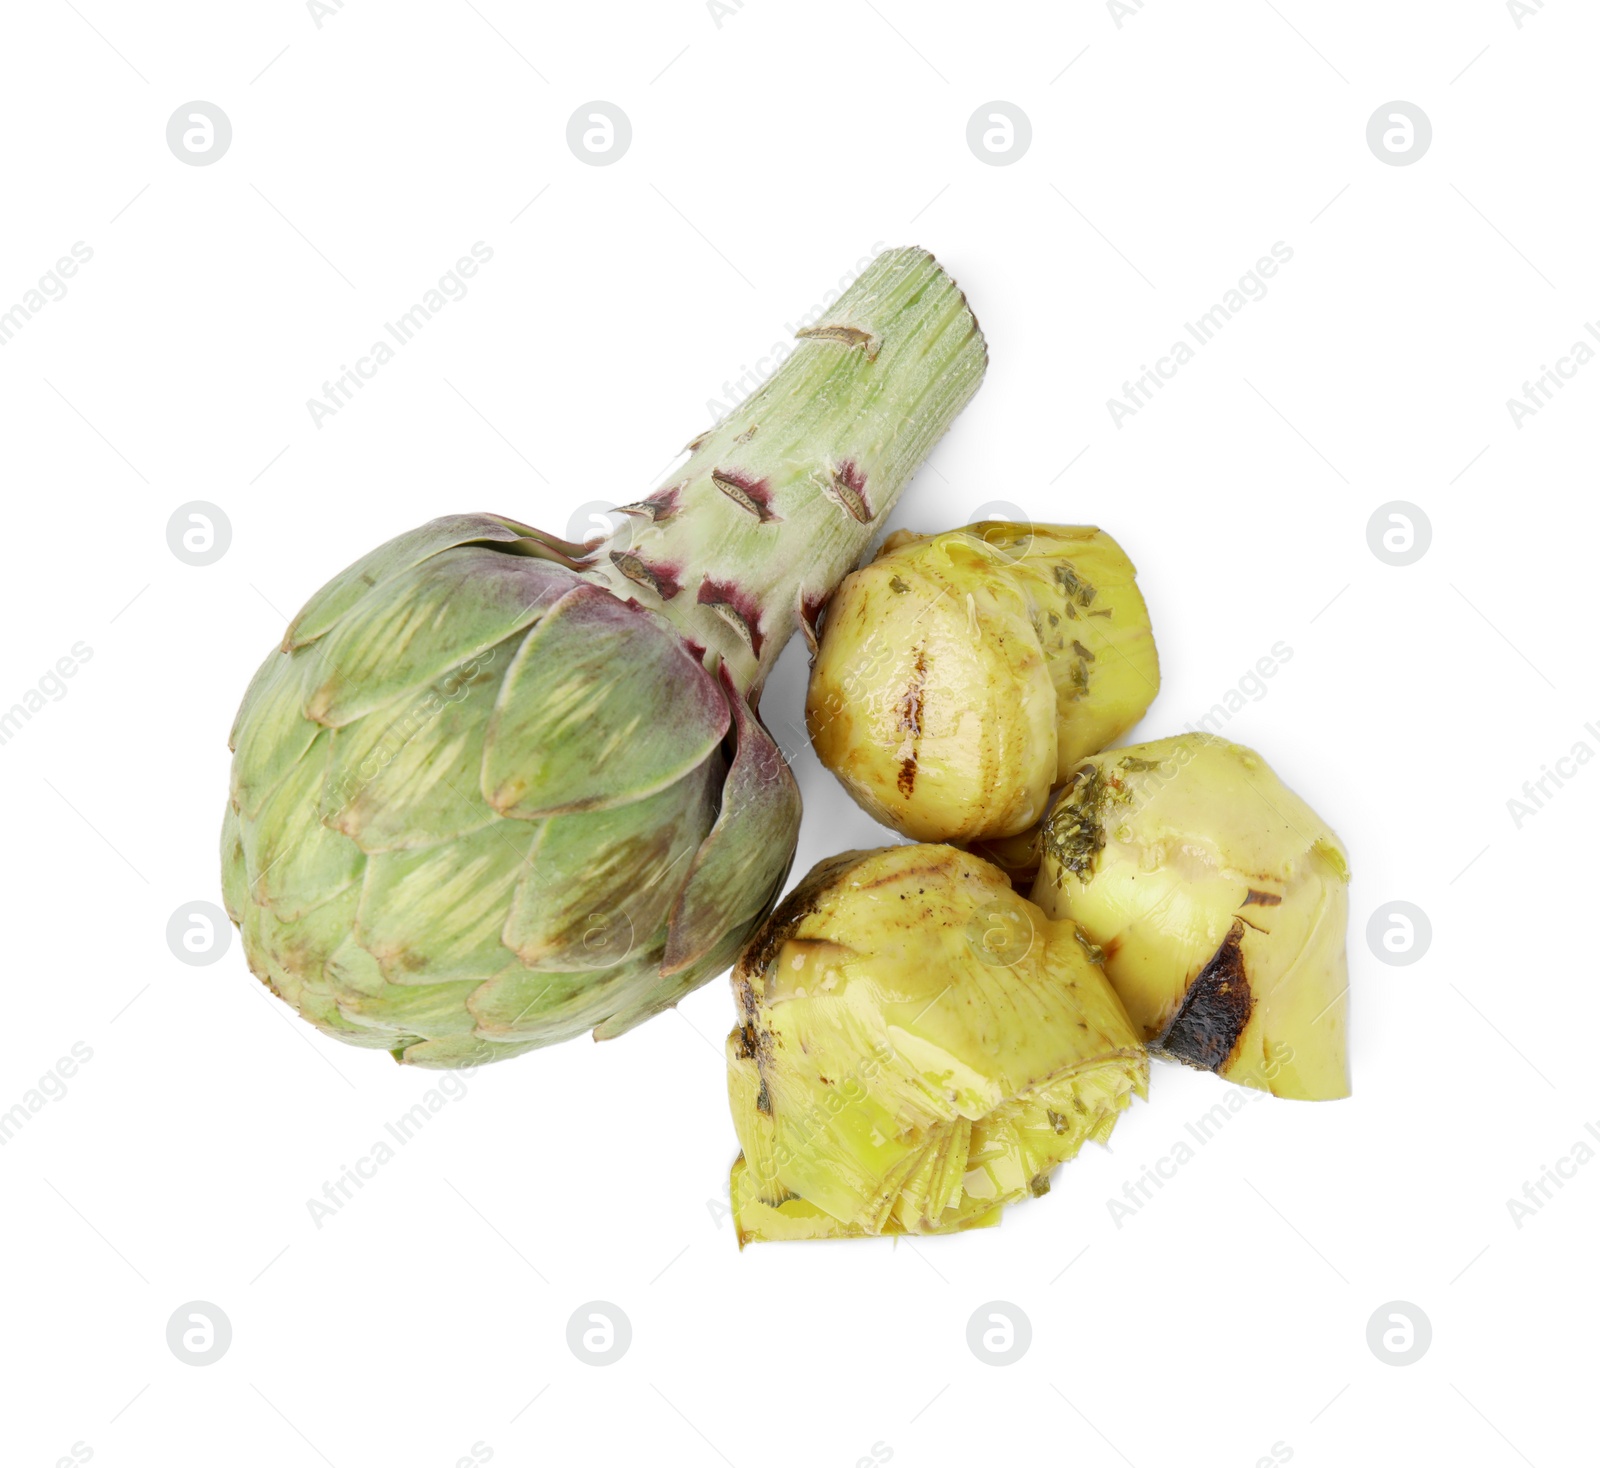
<point x="778" y="502"/>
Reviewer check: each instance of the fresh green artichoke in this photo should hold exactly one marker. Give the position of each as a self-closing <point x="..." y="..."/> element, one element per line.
<point x="495" y="788"/>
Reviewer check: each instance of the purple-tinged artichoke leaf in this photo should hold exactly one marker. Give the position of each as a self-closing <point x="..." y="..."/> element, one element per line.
<point x="669" y="988"/>
<point x="425" y="623"/>
<point x="599" y="884"/>
<point x="603" y="706"/>
<point x="740" y="866"/>
<point x="358" y="580"/>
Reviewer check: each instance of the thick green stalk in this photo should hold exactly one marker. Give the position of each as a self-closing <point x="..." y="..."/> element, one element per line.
<point x="777" y="503"/>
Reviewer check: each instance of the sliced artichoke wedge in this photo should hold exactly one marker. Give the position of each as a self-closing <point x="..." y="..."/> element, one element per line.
<point x="1217" y="900"/>
<point x="918" y="1046"/>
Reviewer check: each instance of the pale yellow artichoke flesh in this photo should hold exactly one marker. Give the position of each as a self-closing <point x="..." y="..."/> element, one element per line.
<point x="918" y="1047"/>
<point x="960" y="676"/>
<point x="1218" y="901"/>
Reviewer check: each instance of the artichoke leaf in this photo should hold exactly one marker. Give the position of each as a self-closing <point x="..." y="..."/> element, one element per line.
<point x="603" y="706"/>
<point x="740" y="867"/>
<point x="360" y="579"/>
<point x="427" y="1011"/>
<point x="235" y="882"/>
<point x="449" y="611"/>
<point x="599" y="884"/>
<point x="292" y="861"/>
<point x="306" y="944"/>
<point x="461" y="1052"/>
<point x="435" y="915"/>
<point x="270" y="735"/>
<point x="406" y="775"/>
<point x="670" y="986"/>
<point x="520" y="1004"/>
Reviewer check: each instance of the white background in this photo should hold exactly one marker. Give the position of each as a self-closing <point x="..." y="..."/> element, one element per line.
<point x="769" y="154"/>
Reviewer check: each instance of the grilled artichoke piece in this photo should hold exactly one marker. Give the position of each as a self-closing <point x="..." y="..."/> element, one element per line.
<point x="961" y="676"/>
<point x="1217" y="900"/>
<point x="1017" y="856"/>
<point x="918" y="1046"/>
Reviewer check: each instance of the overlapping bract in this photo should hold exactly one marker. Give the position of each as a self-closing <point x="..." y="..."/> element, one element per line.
<point x="479" y="804"/>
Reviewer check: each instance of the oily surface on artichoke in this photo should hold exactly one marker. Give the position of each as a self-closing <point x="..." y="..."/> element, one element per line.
<point x="917" y="1047"/>
<point x="1218" y="901"/>
<point x="479" y="804"/>
<point x="960" y="676"/>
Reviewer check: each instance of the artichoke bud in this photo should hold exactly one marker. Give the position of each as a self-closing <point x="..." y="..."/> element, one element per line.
<point x="917" y="1047"/>
<point x="1218" y="901"/>
<point x="495" y="788"/>
<point x="961" y="676"/>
